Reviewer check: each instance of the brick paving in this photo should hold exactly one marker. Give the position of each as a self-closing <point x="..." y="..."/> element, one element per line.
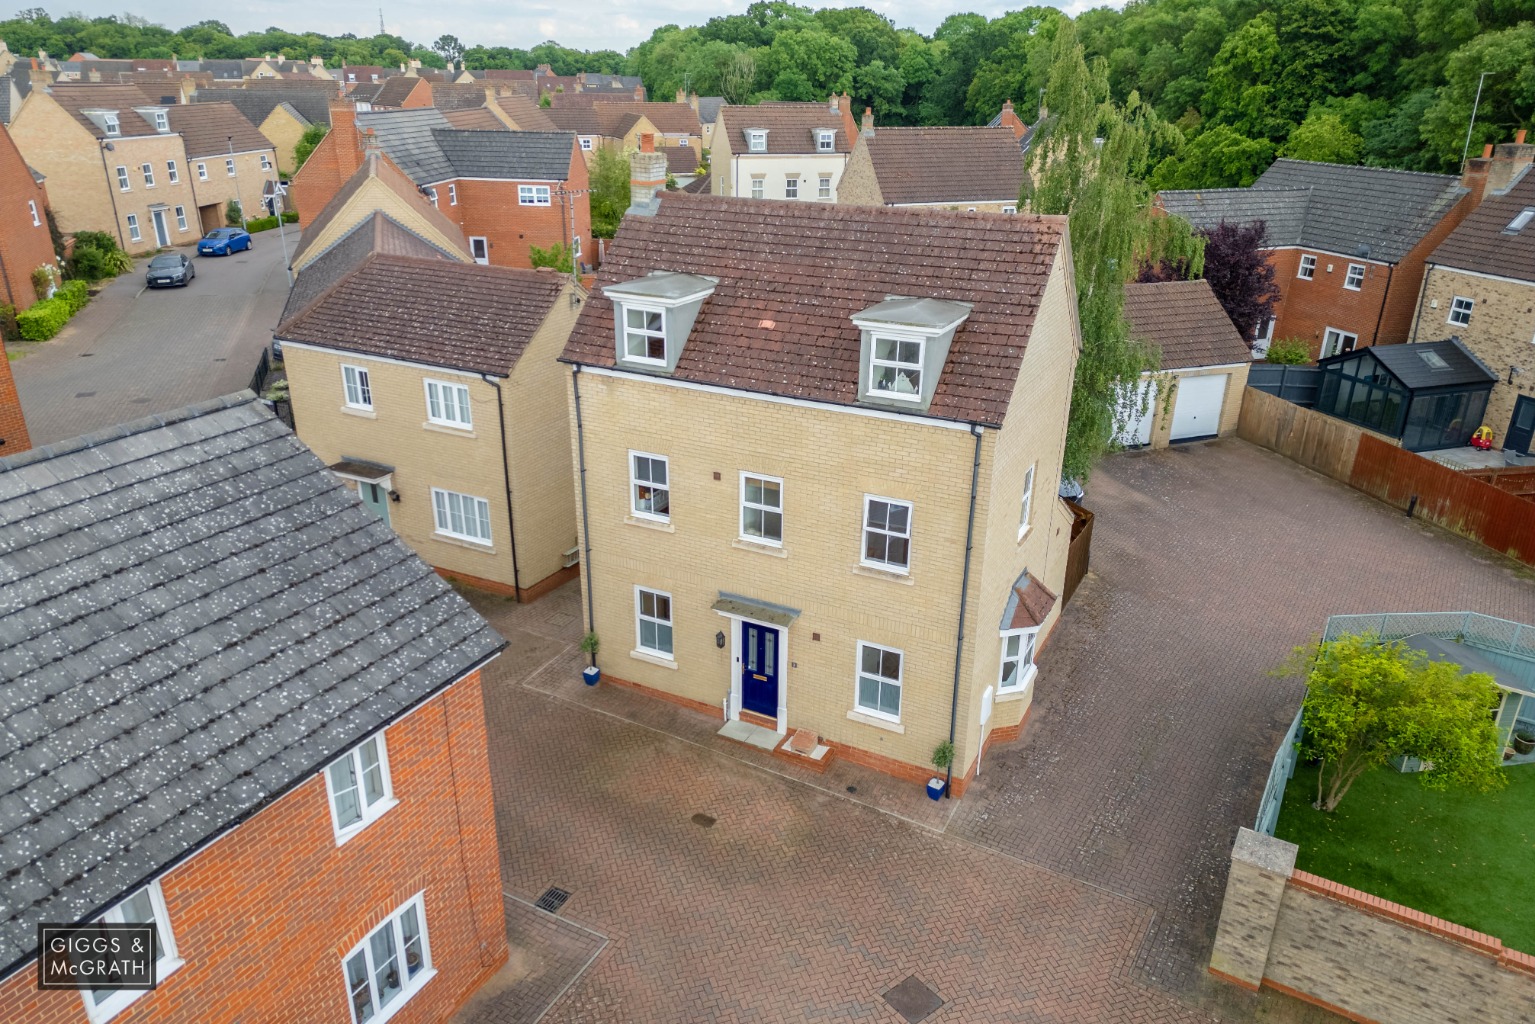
<point x="1078" y="878"/>
<point x="134" y="352"/>
<point x="548" y="955"/>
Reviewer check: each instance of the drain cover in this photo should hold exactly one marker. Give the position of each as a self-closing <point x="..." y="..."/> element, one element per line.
<point x="913" y="1000"/>
<point x="85" y="394"/>
<point x="704" y="820"/>
<point x="552" y="900"/>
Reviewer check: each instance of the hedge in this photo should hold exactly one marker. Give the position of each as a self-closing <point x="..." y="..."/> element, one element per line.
<point x="44" y="319"/>
<point x="268" y="223"/>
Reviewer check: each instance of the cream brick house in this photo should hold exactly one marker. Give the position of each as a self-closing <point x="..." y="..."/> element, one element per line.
<point x="782" y="467"/>
<point x="430" y="384"/>
<point x="782" y="150"/>
<point x="1480" y="287"/>
<point x="976" y="169"/>
<point x="230" y="160"/>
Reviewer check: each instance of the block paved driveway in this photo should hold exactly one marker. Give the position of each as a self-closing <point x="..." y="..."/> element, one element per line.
<point x="133" y="352"/>
<point x="1077" y="881"/>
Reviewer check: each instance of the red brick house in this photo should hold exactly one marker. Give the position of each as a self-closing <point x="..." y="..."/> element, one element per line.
<point x="25" y="243"/>
<point x="1348" y="244"/>
<point x="269" y="741"/>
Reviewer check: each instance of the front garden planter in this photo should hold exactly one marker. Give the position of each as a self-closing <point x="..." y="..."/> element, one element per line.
<point x="935" y="788"/>
<point x="1524" y="743"/>
<point x="591" y="675"/>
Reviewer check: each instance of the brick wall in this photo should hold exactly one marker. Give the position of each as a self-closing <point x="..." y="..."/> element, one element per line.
<point x="860" y="185"/>
<point x="284" y="133"/>
<point x="490" y="209"/>
<point x="245" y="185"/>
<point x="1501" y="331"/>
<point x="1356" y="954"/>
<point x="1231" y="410"/>
<point x="13" y="426"/>
<point x="264" y="916"/>
<point x="24" y="245"/>
<point x="333" y="161"/>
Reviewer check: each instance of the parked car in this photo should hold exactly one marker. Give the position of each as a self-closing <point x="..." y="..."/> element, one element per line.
<point x="171" y="269"/>
<point x="223" y="242"/>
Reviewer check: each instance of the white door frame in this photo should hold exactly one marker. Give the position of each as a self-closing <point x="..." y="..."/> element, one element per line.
<point x="486" y="241"/>
<point x="734" y="667"/>
<point x="1342" y="334"/>
<point x="162" y="229"/>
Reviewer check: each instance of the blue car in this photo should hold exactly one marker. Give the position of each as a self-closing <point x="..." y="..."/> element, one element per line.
<point x="224" y="241"/>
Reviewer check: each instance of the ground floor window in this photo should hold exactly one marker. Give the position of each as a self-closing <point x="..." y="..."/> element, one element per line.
<point x="389" y="966"/>
<point x="461" y="515"/>
<point x="1017" y="660"/>
<point x="134" y="234"/>
<point x="879" y="680"/>
<point x="653" y="621"/>
<point x="181" y="218"/>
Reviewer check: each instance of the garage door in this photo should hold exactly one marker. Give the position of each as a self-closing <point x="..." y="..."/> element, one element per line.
<point x="1197" y="406"/>
<point x="1132" y="418"/>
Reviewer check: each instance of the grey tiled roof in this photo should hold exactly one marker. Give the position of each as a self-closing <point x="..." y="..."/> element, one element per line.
<point x="195" y="616"/>
<point x="709" y="108"/>
<point x="1373" y="212"/>
<point x="406" y="135"/>
<point x="1407" y="363"/>
<point x="311" y="105"/>
<point x="538" y="156"/>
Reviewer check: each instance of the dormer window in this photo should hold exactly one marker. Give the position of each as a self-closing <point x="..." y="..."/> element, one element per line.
<point x="897" y="367"/>
<point x="110" y="123"/>
<point x="905" y="344"/>
<point x="162" y="121"/>
<point x="645" y="334"/>
<point x="756" y="140"/>
<point x="653" y="315"/>
<point x="825" y="140"/>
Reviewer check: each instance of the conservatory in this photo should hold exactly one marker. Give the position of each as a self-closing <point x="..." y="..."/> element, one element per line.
<point x="1430" y="395"/>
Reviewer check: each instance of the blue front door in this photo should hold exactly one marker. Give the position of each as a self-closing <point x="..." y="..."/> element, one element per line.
<point x="759" y="669"/>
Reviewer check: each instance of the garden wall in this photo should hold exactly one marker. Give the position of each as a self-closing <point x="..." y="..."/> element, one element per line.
<point x="1356" y="954"/>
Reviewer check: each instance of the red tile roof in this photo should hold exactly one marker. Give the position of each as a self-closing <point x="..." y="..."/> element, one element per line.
<point x="1186" y="323"/>
<point x="946" y="165"/>
<point x="792" y="274"/>
<point x="791" y="127"/>
<point x="1033" y="603"/>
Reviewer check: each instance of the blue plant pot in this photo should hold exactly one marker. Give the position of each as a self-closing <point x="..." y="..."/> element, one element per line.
<point x="935" y="789"/>
<point x="591" y="675"/>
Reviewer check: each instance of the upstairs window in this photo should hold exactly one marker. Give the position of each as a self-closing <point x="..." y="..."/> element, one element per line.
<point x="649" y="486"/>
<point x="452" y="195"/>
<point x="390" y="965"/>
<point x="1460" y="311"/>
<point x="149" y="175"/>
<point x="229" y="165"/>
<point x="162" y="122"/>
<point x="645" y="334"/>
<point x="112" y="126"/>
<point x="266" y="164"/>
<point x="1354" y="279"/>
<point x="533" y="195"/>
<point x="147" y="906"/>
<point x="202" y="172"/>
<point x="359" y="789"/>
<point x="897" y="368"/>
<point x="359" y="393"/>
<point x="761" y="509"/>
<point x="1028" y="502"/>
<point x="122" y="179"/>
<point x="448" y="404"/>
<point x="825" y="141"/>
<point x="824" y="190"/>
<point x="1009" y="209"/>
<point x="756" y="140"/>
<point x="586" y="143"/>
<point x="431" y="194"/>
<point x="757" y="188"/>
<point x="37" y="221"/>
<point x="886" y="533"/>
<point x="1307" y="269"/>
<point x="172" y="172"/>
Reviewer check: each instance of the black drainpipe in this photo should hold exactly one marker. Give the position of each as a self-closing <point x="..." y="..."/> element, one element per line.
<point x="964" y="593"/>
<point x="112" y="191"/>
<point x="1428" y="271"/>
<point x="586" y="532"/>
<point x="506" y="472"/>
<point x="1390" y="271"/>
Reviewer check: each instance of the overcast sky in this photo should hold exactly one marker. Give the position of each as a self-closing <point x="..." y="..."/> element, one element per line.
<point x="584" y="24"/>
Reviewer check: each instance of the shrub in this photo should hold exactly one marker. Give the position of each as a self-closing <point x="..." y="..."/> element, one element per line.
<point x="44" y="320"/>
<point x="74" y="294"/>
<point x="260" y="224"/>
<point x="290" y="217"/>
<point x="1289" y="352"/>
<point x="557" y="256"/>
<point x="232" y="213"/>
<point x="97" y="256"/>
<point x="8" y="324"/>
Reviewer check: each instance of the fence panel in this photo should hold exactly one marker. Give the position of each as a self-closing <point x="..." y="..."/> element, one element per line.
<point x="1077" y="552"/>
<point x="1280" y="774"/>
<point x="263" y="367"/>
<point x="1298" y="384"/>
<point x="1320" y="442"/>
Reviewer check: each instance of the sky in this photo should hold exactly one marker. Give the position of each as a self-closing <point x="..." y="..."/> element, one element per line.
<point x="587" y="25"/>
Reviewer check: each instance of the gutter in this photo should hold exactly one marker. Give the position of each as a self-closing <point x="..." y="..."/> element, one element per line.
<point x="506" y="473"/>
<point x="586" y="532"/>
<point x="1390" y="272"/>
<point x="964" y="593"/>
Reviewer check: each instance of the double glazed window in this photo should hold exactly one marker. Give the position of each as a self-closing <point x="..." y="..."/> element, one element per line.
<point x="1028" y="502"/>
<point x="146" y="906"/>
<point x="879" y="680"/>
<point x="1354" y="279"/>
<point x="823" y="191"/>
<point x="461" y="516"/>
<point x="586" y="143"/>
<point x="452" y="195"/>
<point x="359" y="393"/>
<point x="653" y="622"/>
<point x="533" y="195"/>
<point x="1017" y="660"/>
<point x="266" y="164"/>
<point x="172" y="172"/>
<point x="762" y="508"/>
<point x="149" y="175"/>
<point x="649" y="486"/>
<point x="134" y="234"/>
<point x="181" y="218"/>
<point x="644" y="334"/>
<point x="757" y="188"/>
<point x="448" y="404"/>
<point x="111" y="123"/>
<point x="122" y="179"/>
<point x="390" y="965"/>
<point x="896" y="368"/>
<point x="229" y="165"/>
<point x="825" y="141"/>
<point x="1307" y="269"/>
<point x="887" y="533"/>
<point x="756" y="142"/>
<point x="1460" y="311"/>
<point x="358" y="783"/>
<point x="37" y="221"/>
<point x="202" y="172"/>
<point x="162" y="121"/>
<point x="791" y="188"/>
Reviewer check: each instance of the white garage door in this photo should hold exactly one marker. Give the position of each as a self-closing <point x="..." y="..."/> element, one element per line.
<point x="1133" y="416"/>
<point x="1197" y="406"/>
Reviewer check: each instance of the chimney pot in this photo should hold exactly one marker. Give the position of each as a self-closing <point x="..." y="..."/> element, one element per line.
<point x="1487" y="150"/>
<point x="1519" y="137"/>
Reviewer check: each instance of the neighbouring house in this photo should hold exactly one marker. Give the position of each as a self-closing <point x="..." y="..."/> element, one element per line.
<point x="13" y="89"/>
<point x="402" y="92"/>
<point x="673" y="124"/>
<point x="1480" y="287"/>
<point x="1348" y="244"/>
<point x="259" y="728"/>
<point x="431" y="386"/>
<point x="1196" y="392"/>
<point x="519" y="113"/>
<point x="229" y="160"/>
<point x="25" y="242"/>
<point x="782" y="468"/>
<point x="13" y="422"/>
<point x="783" y="150"/>
<point x="114" y="162"/>
<point x="981" y="170"/>
<point x="85" y="68"/>
<point x="282" y="116"/>
<point x="603" y="126"/>
<point x="1424" y="396"/>
<point x="708" y="108"/>
<point x="350" y="73"/>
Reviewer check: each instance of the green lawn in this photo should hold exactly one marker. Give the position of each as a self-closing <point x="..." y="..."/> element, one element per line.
<point x="1463" y="856"/>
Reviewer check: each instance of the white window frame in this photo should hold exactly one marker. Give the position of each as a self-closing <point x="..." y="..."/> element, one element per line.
<point x="172" y="172"/>
<point x="1010" y="209"/>
<point x="168" y="962"/>
<point x="148" y="170"/>
<point x="1457" y="310"/>
<point x="123" y="184"/>
<point x="1349" y="276"/>
<point x="452" y="195"/>
<point x="134" y="234"/>
<point x="486" y="247"/>
<point x="1027" y="508"/>
<point x="825" y="140"/>
<point x="431" y="193"/>
<point x="448" y="409"/>
<point x="756" y="140"/>
<point x="635" y="483"/>
<point x="266" y="162"/>
<point x="865" y="529"/>
<point x="644" y="332"/>
<point x="884" y="680"/>
<point x="229" y="165"/>
<point x="202" y="171"/>
<point x="586" y="143"/>
<point x="442" y="516"/>
<point x="640" y="618"/>
<point x="763" y="507"/>
<point x="1307" y="269"/>
<point x="162" y="121"/>
<point x="113" y="125"/>
<point x="823" y="186"/>
<point x="791" y="186"/>
<point x="363" y="384"/>
<point x="896" y="365"/>
<point x="1342" y="334"/>
<point x="181" y="218"/>
<point x="409" y="986"/>
<point x="759" y="188"/>
<point x="37" y="221"/>
<point x="1520" y="221"/>
<point x="533" y="195"/>
<point x="370" y="812"/>
<point x="1023" y="660"/>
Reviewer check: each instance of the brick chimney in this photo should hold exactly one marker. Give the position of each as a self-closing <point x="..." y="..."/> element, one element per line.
<point x="639" y="93"/>
<point x="40" y="76"/>
<point x="1509" y="159"/>
<point x="868" y="122"/>
<point x="647" y="177"/>
<point x="1474" y="176"/>
<point x="1009" y="119"/>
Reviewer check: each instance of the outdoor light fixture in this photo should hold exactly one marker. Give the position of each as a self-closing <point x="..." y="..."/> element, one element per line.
<point x="1514" y="371"/>
<point x="719" y="639"/>
<point x="394" y="496"/>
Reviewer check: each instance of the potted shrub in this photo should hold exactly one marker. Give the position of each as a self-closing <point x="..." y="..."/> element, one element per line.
<point x="1524" y="741"/>
<point x="591" y="673"/>
<point x="943" y="757"/>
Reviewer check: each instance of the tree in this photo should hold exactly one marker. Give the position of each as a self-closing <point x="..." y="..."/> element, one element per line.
<point x="1218" y="157"/>
<point x="1323" y="137"/>
<point x="559" y="256"/>
<point x="1508" y="94"/>
<point x="609" y="177"/>
<point x="739" y="78"/>
<point x="1240" y="275"/>
<point x="1367" y="702"/>
<point x="450" y="48"/>
<point x="306" y="144"/>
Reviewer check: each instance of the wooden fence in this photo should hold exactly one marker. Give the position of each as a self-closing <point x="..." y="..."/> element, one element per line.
<point x="1076" y="554"/>
<point x="1315" y="440"/>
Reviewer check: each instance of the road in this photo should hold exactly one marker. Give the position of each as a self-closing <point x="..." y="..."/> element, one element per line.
<point x="134" y="352"/>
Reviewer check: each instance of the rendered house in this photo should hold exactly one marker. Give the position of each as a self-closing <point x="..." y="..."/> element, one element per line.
<point x="981" y="169"/>
<point x="430" y="385"/>
<point x="1348" y="244"/>
<point x="261" y="730"/>
<point x="1480" y="287"/>
<point x="781" y="468"/>
<point x="783" y="150"/>
<point x="227" y="159"/>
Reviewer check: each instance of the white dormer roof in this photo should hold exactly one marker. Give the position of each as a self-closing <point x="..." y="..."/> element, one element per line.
<point x="915" y="316"/>
<point x="664" y="288"/>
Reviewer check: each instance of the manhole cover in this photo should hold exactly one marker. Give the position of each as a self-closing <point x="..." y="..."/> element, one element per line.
<point x="85" y="394"/>
<point x="86" y="355"/>
<point x="704" y="820"/>
<point x="552" y="900"/>
<point x="913" y="1000"/>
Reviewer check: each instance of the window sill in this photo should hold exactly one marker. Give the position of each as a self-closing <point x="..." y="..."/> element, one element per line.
<point x="367" y="414"/>
<point x="776" y="550"/>
<point x="443" y="428"/>
<point x="877" y="722"/>
<point x="1020" y="692"/>
<point x="893" y="575"/>
<point x="650" y="524"/>
<point x="654" y="659"/>
<point x="459" y="542"/>
<point x="406" y="994"/>
<point x="342" y="838"/>
<point x="1024" y="531"/>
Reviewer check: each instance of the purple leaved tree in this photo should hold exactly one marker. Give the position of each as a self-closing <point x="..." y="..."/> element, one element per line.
<point x="1239" y="273"/>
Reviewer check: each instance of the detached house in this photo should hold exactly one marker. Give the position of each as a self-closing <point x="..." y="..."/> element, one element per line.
<point x="25" y="243"/>
<point x="971" y="169"/>
<point x="228" y="160"/>
<point x="1348" y="244"/>
<point x="824" y="503"/>
<point x="783" y="150"/>
<point x="257" y="727"/>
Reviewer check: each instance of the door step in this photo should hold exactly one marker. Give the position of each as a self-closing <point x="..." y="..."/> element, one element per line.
<point x="804" y="747"/>
<point x="751" y="735"/>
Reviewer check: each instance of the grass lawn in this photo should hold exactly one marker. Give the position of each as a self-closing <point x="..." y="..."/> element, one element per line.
<point x="1466" y="857"/>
